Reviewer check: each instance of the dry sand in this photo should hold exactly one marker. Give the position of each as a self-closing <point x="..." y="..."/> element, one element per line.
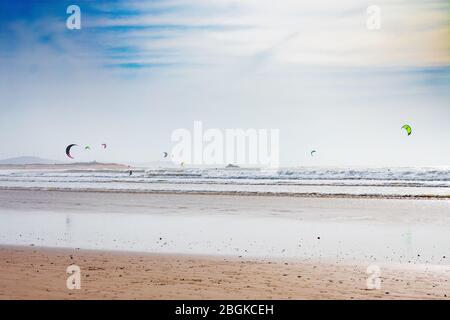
<point x="40" y="273"/>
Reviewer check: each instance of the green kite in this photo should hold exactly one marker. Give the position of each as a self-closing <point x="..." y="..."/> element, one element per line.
<point x="408" y="129"/>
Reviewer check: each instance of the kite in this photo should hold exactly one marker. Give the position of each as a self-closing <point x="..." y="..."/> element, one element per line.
<point x="408" y="129"/>
<point x="104" y="145"/>
<point x="68" y="150"/>
<point x="87" y="148"/>
<point x="312" y="152"/>
<point x="165" y="154"/>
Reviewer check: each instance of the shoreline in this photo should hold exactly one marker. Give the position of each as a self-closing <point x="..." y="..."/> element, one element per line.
<point x="40" y="273"/>
<point x="314" y="195"/>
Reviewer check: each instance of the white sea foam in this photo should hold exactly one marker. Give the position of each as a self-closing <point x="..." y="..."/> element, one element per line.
<point x="429" y="182"/>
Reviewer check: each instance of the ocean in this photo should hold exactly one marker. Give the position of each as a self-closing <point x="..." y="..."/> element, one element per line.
<point x="379" y="182"/>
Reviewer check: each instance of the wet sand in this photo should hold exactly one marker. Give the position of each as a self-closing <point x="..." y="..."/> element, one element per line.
<point x="384" y="211"/>
<point x="358" y="231"/>
<point x="40" y="273"/>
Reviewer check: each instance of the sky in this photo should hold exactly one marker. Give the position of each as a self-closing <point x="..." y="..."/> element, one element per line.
<point x="138" y="70"/>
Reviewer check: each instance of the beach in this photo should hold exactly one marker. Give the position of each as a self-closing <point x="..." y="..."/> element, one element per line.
<point x="199" y="246"/>
<point x="39" y="273"/>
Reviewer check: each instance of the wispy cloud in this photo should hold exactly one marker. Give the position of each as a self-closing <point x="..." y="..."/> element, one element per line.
<point x="412" y="35"/>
